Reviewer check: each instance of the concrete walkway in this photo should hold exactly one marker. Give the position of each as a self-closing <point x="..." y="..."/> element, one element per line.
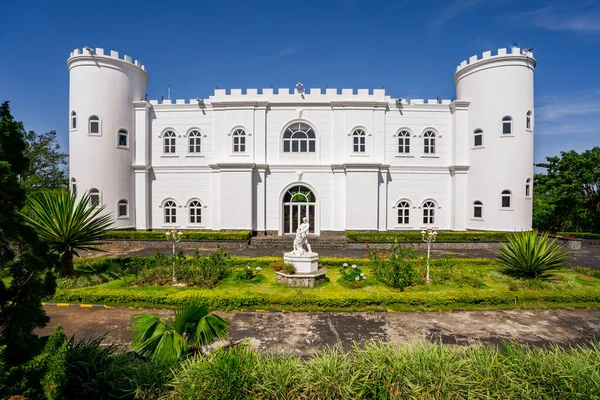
<point x="305" y="333"/>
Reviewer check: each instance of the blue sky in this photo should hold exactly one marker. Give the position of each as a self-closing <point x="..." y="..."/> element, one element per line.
<point x="411" y="47"/>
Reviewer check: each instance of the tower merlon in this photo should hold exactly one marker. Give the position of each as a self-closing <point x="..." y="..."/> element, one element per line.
<point x="503" y="52"/>
<point x="99" y="53"/>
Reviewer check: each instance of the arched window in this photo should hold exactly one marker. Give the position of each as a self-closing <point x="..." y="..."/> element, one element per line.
<point x="73" y="185"/>
<point x="122" y="138"/>
<point x="506" y="125"/>
<point x="239" y="141"/>
<point x="94" y="195"/>
<point x="195" y="141"/>
<point x="403" y="213"/>
<point x="528" y="120"/>
<point x="170" y="212"/>
<point x="528" y="187"/>
<point x="299" y="138"/>
<point x="428" y="212"/>
<point x="506" y="195"/>
<point x="429" y="142"/>
<point x="122" y="208"/>
<point x="478" y="137"/>
<point x="404" y="142"/>
<point x="169" y="142"/>
<point x="94" y="125"/>
<point x="298" y="202"/>
<point x="73" y="120"/>
<point x="477" y="209"/>
<point x="358" y="141"/>
<point x="195" y="212"/>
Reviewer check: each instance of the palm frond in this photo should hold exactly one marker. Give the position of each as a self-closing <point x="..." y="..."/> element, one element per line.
<point x="209" y="329"/>
<point x="169" y="347"/>
<point x="144" y="327"/>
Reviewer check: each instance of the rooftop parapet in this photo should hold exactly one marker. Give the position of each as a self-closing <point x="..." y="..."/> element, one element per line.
<point x="514" y="51"/>
<point x="99" y="52"/>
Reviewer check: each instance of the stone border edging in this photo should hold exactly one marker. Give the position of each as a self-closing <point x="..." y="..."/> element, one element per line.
<point x="184" y="244"/>
<point x="423" y="246"/>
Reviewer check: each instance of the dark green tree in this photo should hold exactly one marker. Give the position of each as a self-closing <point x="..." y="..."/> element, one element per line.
<point x="47" y="164"/>
<point x="567" y="196"/>
<point x="22" y="256"/>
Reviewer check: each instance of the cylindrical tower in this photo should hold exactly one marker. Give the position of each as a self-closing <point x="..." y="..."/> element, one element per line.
<point x="101" y="124"/>
<point x="499" y="92"/>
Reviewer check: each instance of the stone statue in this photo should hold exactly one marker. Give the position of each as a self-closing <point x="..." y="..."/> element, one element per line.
<point x="301" y="239"/>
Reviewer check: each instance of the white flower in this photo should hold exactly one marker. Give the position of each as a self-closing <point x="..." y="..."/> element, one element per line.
<point x="258" y="268"/>
<point x="357" y="278"/>
<point x="364" y="277"/>
<point x="248" y="267"/>
<point x="362" y="274"/>
<point x="353" y="266"/>
<point x="345" y="265"/>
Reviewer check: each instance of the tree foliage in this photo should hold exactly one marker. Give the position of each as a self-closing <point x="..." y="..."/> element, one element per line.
<point x="47" y="164"/>
<point x="22" y="256"/>
<point x="567" y="196"/>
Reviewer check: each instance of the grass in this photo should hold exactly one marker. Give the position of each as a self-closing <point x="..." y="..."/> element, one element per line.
<point x="415" y="236"/>
<point x="496" y="291"/>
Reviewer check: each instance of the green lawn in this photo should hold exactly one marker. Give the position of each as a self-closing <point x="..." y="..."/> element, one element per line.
<point x="495" y="291"/>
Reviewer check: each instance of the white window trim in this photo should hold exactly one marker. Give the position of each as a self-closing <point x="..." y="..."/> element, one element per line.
<point x="126" y="216"/>
<point x="127" y="138"/>
<point x="512" y="128"/>
<point x="90" y="126"/>
<point x="71" y="120"/>
<point x="188" y="138"/>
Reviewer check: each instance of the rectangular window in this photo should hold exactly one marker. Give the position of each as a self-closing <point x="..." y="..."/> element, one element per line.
<point x="477" y="213"/>
<point x="478" y="140"/>
<point x="122" y="140"/>
<point x="311" y="146"/>
<point x="286" y="146"/>
<point x="94" y="127"/>
<point x="506" y="128"/>
<point x="73" y="122"/>
<point x="506" y="201"/>
<point x="122" y="210"/>
<point x="294" y="146"/>
<point x="527" y="190"/>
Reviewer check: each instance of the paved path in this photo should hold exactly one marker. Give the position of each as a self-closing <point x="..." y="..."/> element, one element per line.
<point x="305" y="333"/>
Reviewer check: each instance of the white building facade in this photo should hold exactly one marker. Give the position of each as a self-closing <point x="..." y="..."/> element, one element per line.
<point x="348" y="160"/>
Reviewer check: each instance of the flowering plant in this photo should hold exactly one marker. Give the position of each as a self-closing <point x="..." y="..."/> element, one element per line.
<point x="352" y="276"/>
<point x="397" y="266"/>
<point x="247" y="274"/>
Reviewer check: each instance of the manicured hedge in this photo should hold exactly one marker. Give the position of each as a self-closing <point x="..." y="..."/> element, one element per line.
<point x="415" y="236"/>
<point x="193" y="235"/>
<point x="581" y="235"/>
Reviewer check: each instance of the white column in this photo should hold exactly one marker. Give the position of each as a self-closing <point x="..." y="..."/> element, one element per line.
<point x="260" y="198"/>
<point x="460" y="164"/>
<point x="141" y="166"/>
<point x="339" y="198"/>
<point x="383" y="198"/>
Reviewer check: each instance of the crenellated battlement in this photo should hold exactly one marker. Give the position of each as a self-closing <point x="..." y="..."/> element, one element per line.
<point x="295" y="95"/>
<point x="514" y="51"/>
<point x="99" y="52"/>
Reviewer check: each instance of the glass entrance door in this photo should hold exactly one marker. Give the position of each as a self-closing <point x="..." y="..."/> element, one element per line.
<point x="298" y="202"/>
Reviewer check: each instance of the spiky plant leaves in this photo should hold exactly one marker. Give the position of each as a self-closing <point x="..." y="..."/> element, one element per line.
<point x="67" y="225"/>
<point x="164" y="341"/>
<point x="531" y="256"/>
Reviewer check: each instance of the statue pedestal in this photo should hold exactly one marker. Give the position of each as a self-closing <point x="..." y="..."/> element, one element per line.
<point x="304" y="264"/>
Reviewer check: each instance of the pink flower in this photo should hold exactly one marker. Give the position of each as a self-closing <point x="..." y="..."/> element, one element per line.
<point x="417" y="262"/>
<point x="382" y="255"/>
<point x="367" y="244"/>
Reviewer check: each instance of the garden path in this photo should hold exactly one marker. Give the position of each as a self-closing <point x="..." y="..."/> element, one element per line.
<point x="305" y="333"/>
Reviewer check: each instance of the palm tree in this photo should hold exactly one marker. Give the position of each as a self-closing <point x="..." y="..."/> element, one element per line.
<point x="66" y="225"/>
<point x="166" y="341"/>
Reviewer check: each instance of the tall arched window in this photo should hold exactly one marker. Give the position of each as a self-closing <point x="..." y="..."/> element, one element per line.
<point x="73" y="120"/>
<point x="477" y="209"/>
<point x="528" y="187"/>
<point x="506" y="198"/>
<point x="195" y="212"/>
<point x="195" y="141"/>
<point x="528" y="120"/>
<point x="429" y="142"/>
<point x="122" y="138"/>
<point x="299" y="138"/>
<point x="170" y="212"/>
<point x="239" y="141"/>
<point x="358" y="141"/>
<point x="506" y="125"/>
<point x="478" y="138"/>
<point x="73" y="185"/>
<point x="94" y="195"/>
<point x="403" y="213"/>
<point x="123" y="208"/>
<point x="169" y="142"/>
<point x="94" y="127"/>
<point x="298" y="202"/>
<point x="404" y="142"/>
<point x="428" y="212"/>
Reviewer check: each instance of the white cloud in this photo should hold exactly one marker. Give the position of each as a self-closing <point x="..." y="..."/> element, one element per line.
<point x="581" y="17"/>
<point x="456" y="8"/>
<point x="573" y="113"/>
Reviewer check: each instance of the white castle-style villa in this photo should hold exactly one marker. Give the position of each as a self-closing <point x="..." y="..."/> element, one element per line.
<point x="346" y="160"/>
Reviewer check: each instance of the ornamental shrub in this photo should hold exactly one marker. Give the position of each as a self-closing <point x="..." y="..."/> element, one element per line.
<point x="247" y="274"/>
<point x="396" y="266"/>
<point x="352" y="276"/>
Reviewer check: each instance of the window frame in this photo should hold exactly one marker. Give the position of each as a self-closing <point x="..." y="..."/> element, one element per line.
<point x="404" y="136"/>
<point x="506" y="194"/>
<point x="195" y="205"/>
<point x="478" y="133"/>
<point x="238" y="141"/>
<point x="73" y="120"/>
<point x="93" y="192"/>
<point x="172" y="146"/>
<point x="430" y="210"/>
<point x="125" y="133"/>
<point x="429" y="142"/>
<point x="290" y="142"/>
<point x="529" y="120"/>
<point x="528" y="187"/>
<point x="119" y="204"/>
<point x="170" y="208"/>
<point x="94" y="119"/>
<point x="507" y="121"/>
<point x="359" y="141"/>
<point x="73" y="185"/>
<point x="194" y="141"/>
<point x="478" y="204"/>
<point x="403" y="207"/>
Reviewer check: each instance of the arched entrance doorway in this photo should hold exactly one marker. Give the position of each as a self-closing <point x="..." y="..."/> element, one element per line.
<point x="298" y="202"/>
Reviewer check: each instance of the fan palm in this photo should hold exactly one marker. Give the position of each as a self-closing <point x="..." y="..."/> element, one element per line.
<point x="66" y="225"/>
<point x="530" y="255"/>
<point x="165" y="341"/>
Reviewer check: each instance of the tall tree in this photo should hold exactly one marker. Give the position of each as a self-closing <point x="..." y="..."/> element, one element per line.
<point x="22" y="255"/>
<point x="47" y="164"/>
<point x="567" y="196"/>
